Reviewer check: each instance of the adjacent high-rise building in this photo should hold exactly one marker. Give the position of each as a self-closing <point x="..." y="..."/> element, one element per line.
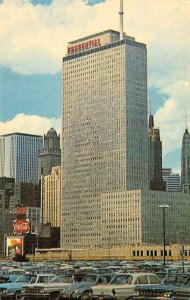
<point x="50" y="154"/>
<point x="18" y="156"/>
<point x="52" y="198"/>
<point x="104" y="129"/>
<point x="185" y="162"/>
<point x="155" y="157"/>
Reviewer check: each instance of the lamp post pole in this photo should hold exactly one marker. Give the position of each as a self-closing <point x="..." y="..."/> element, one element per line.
<point x="164" y="206"/>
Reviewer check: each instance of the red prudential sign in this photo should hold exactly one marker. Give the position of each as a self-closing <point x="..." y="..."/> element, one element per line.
<point x="84" y="46"/>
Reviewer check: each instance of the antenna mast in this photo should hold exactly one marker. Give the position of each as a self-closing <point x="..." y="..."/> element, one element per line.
<point x="121" y="13"/>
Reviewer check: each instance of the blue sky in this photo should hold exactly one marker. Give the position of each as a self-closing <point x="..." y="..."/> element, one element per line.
<point x="36" y="94"/>
<point x="43" y="2"/>
<point x="33" y="40"/>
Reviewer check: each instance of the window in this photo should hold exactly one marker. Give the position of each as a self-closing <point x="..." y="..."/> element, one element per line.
<point x="154" y="279"/>
<point x="142" y="280"/>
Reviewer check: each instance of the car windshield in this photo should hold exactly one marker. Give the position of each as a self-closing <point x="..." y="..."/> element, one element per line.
<point x="62" y="278"/>
<point x="90" y="278"/>
<point x="175" y="279"/>
<point x="187" y="280"/>
<point x="122" y="279"/>
<point x="25" y="278"/>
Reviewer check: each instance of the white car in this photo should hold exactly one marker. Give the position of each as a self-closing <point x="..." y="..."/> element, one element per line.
<point x="49" y="290"/>
<point x="121" y="287"/>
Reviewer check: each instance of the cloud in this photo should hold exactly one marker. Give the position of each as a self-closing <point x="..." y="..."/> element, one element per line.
<point x="30" y="124"/>
<point x="33" y="39"/>
<point x="172" y="115"/>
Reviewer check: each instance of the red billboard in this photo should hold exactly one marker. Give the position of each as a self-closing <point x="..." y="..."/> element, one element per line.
<point x="21" y="210"/>
<point x="21" y="226"/>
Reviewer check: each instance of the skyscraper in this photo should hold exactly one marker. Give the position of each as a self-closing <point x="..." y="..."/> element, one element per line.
<point x="185" y="163"/>
<point x="155" y="157"/>
<point x="18" y="156"/>
<point x="50" y="154"/>
<point x="104" y="132"/>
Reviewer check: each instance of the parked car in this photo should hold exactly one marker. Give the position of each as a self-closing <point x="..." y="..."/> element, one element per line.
<point x="82" y="289"/>
<point x="12" y="290"/>
<point x="182" y="292"/>
<point x="50" y="290"/>
<point x="122" y="286"/>
<point x="162" y="291"/>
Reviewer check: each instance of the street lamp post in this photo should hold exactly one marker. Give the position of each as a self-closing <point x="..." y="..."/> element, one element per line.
<point x="164" y="206"/>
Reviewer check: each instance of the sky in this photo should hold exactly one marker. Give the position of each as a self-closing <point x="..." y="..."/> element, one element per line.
<point x="33" y="40"/>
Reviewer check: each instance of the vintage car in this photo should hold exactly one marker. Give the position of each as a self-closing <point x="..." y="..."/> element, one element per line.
<point x="122" y="286"/>
<point x="182" y="292"/>
<point x="82" y="289"/>
<point x="12" y="290"/>
<point x="162" y="291"/>
<point x="50" y="290"/>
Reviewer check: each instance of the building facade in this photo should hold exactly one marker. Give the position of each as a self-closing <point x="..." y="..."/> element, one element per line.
<point x="155" y="157"/>
<point x="133" y="217"/>
<point x="172" y="180"/>
<point x="185" y="163"/>
<point x="50" y="154"/>
<point x="104" y="129"/>
<point x="52" y="198"/>
<point x="18" y="156"/>
<point x="25" y="193"/>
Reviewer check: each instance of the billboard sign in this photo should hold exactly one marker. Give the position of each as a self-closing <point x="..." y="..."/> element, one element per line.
<point x="14" y="245"/>
<point x="84" y="46"/>
<point x="21" y="226"/>
<point x="21" y="210"/>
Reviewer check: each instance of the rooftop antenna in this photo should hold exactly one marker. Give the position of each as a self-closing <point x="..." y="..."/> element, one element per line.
<point x="185" y="120"/>
<point x="121" y="13"/>
<point x="149" y="105"/>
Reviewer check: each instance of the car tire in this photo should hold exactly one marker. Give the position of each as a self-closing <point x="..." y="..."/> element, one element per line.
<point x="17" y="296"/>
<point x="54" y="296"/>
<point x="85" y="296"/>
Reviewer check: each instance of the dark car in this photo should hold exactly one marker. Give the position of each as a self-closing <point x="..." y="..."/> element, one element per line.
<point x="163" y="290"/>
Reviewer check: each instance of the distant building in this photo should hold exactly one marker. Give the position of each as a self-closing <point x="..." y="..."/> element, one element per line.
<point x="52" y="198"/>
<point x="185" y="163"/>
<point x="26" y="193"/>
<point x="172" y="180"/>
<point x="13" y="194"/>
<point x="18" y="156"/>
<point x="6" y="192"/>
<point x="155" y="157"/>
<point x="50" y="154"/>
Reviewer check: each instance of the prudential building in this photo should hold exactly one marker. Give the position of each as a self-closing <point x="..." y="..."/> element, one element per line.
<point x="104" y="130"/>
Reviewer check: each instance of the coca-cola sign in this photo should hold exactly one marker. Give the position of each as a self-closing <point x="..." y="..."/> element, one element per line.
<point x="21" y="226"/>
